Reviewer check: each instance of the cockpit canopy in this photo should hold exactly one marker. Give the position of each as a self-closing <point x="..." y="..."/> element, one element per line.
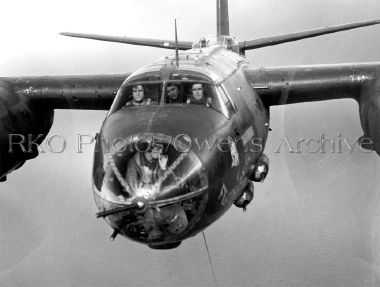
<point x="183" y="91"/>
<point x="226" y="42"/>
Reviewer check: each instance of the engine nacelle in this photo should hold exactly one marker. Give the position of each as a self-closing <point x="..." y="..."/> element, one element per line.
<point x="19" y="118"/>
<point x="246" y="197"/>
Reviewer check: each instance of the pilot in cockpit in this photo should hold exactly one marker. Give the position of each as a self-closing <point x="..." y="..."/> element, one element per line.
<point x="138" y="97"/>
<point x="173" y="93"/>
<point x="197" y="96"/>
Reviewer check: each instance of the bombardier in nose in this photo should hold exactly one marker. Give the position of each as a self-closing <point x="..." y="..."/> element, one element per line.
<point x="161" y="185"/>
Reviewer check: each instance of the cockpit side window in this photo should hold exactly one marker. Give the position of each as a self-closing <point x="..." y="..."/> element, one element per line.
<point x="227" y="107"/>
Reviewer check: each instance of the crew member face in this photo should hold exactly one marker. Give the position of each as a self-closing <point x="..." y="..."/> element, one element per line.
<point x="173" y="92"/>
<point x="138" y="93"/>
<point x="197" y="91"/>
<point x="156" y="151"/>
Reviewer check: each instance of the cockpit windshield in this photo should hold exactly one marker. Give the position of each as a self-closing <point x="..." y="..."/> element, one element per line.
<point x="171" y="92"/>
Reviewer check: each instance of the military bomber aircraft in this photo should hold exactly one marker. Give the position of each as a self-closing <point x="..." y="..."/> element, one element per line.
<point x="184" y="136"/>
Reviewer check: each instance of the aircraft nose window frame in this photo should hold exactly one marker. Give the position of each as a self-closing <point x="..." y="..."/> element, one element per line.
<point x="227" y="105"/>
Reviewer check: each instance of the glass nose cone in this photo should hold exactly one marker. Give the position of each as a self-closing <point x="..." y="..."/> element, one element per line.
<point x="164" y="176"/>
<point x="151" y="168"/>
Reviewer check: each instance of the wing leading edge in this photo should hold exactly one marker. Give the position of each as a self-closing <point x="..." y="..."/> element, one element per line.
<point x="297" y="84"/>
<point x="95" y="92"/>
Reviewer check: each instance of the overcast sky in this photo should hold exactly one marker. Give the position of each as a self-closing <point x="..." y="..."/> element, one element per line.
<point x="314" y="222"/>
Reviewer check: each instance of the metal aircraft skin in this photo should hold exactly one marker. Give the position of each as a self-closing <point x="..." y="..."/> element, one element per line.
<point x="207" y="153"/>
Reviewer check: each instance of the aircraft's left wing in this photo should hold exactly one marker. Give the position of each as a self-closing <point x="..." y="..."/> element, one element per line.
<point x="298" y="84"/>
<point x="27" y="107"/>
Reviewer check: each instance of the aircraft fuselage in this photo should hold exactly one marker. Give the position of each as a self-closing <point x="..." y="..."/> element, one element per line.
<point x="211" y="148"/>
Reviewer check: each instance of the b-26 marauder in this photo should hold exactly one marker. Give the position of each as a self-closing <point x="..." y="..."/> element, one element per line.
<point x="184" y="136"/>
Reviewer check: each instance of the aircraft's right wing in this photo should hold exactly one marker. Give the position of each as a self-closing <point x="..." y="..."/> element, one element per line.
<point x="298" y="84"/>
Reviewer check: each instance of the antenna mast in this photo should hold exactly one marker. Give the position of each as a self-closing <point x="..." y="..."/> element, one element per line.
<point x="176" y="44"/>
<point x="222" y="21"/>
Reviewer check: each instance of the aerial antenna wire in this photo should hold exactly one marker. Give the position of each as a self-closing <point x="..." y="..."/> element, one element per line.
<point x="176" y="44"/>
<point x="209" y="259"/>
